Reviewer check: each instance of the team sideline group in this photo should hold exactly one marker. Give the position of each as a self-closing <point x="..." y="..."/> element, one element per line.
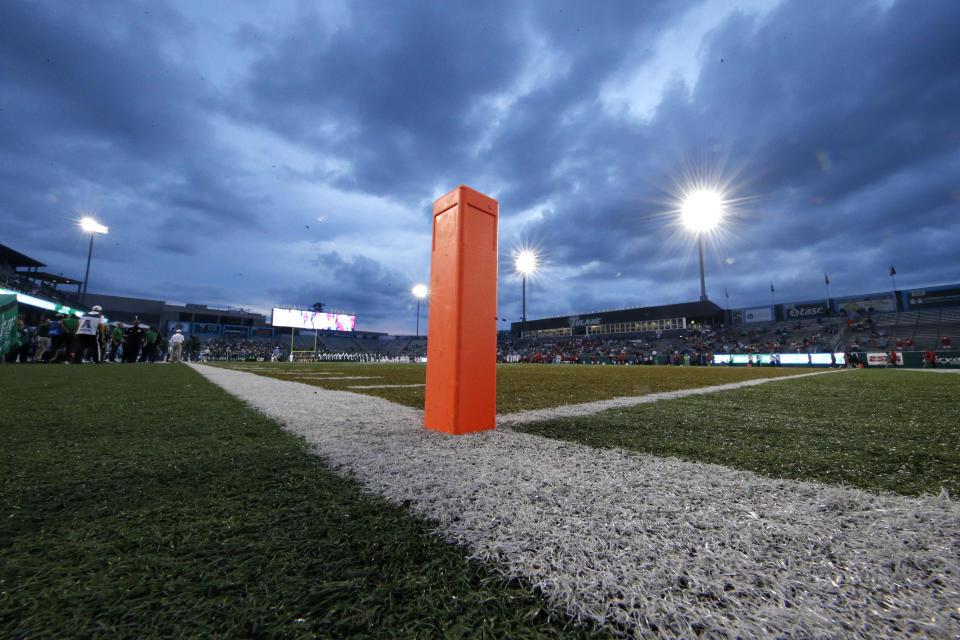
<point x="66" y="338"/>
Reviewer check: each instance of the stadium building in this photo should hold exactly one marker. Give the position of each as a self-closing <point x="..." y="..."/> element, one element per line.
<point x="624" y="321"/>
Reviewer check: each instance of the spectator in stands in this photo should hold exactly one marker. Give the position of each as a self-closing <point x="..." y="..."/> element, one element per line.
<point x="945" y="342"/>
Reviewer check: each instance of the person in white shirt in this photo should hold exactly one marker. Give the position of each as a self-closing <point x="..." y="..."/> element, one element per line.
<point x="176" y="346"/>
<point x="90" y="334"/>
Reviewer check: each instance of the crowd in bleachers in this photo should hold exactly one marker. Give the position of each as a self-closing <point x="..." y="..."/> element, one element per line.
<point x="696" y="345"/>
<point x="19" y="281"/>
<point x="43" y="339"/>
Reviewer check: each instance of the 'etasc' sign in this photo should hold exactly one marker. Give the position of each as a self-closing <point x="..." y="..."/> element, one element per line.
<point x="305" y="319"/>
<point x="810" y="310"/>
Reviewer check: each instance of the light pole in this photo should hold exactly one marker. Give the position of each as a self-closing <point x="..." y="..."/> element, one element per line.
<point x="92" y="227"/>
<point x="525" y="264"/>
<point x="701" y="211"/>
<point x="420" y="292"/>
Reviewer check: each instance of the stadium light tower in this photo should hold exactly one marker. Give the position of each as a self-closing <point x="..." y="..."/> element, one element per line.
<point x="420" y="292"/>
<point x="525" y="264"/>
<point x="92" y="227"/>
<point x="701" y="212"/>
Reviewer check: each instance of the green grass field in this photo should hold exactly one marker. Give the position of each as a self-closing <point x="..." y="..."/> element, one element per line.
<point x="142" y="501"/>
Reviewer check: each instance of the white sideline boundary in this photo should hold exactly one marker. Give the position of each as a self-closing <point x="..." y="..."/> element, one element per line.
<point x="657" y="546"/>
<point x="590" y="408"/>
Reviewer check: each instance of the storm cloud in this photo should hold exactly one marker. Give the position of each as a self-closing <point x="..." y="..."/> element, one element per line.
<point x="258" y="156"/>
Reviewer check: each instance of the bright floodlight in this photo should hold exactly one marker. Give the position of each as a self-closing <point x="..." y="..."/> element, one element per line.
<point x="420" y="290"/>
<point x="702" y="210"/>
<point x="526" y="262"/>
<point x="92" y="226"/>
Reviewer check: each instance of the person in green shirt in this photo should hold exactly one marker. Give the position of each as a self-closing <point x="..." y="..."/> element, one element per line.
<point x="162" y="344"/>
<point x="70" y="324"/>
<point x="116" y="339"/>
<point x="149" y="345"/>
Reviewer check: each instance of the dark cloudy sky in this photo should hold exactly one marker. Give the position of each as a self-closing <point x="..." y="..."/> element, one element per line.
<point x="253" y="154"/>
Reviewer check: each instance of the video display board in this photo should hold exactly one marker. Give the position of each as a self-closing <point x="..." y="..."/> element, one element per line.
<point x="306" y="319"/>
<point x="931" y="298"/>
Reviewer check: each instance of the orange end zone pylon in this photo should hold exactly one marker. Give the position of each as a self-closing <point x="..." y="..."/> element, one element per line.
<point x="461" y="394"/>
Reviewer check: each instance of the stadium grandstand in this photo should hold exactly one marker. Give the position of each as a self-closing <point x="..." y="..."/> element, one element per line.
<point x="910" y="321"/>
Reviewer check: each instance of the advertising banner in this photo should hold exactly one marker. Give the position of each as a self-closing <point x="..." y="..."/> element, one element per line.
<point x="236" y="331"/>
<point x="8" y="323"/>
<point x="262" y="332"/>
<point x="206" y="327"/>
<point x="880" y="359"/>
<point x="944" y="360"/>
<point x="758" y="314"/>
<point x="926" y="298"/>
<point x="23" y="298"/>
<point x="869" y="304"/>
<point x="786" y="359"/>
<point x="806" y="310"/>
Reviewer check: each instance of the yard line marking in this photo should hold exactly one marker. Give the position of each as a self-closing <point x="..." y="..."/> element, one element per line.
<point x="590" y="408"/>
<point x="384" y="386"/>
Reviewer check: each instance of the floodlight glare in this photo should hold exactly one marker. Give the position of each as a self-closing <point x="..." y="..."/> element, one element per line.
<point x="526" y="262"/>
<point x="92" y="226"/>
<point x="702" y="210"/>
<point x="419" y="292"/>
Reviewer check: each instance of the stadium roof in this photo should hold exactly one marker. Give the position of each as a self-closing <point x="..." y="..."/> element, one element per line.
<point x="13" y="258"/>
<point x="43" y="276"/>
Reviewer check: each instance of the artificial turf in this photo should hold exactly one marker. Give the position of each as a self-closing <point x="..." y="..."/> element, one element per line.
<point x="871" y="429"/>
<point x="141" y="501"/>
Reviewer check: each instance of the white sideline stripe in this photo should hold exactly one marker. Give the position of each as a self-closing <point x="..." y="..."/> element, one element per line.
<point x="294" y="373"/>
<point x="384" y="386"/>
<point x="629" y="539"/>
<point x="590" y="408"/>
